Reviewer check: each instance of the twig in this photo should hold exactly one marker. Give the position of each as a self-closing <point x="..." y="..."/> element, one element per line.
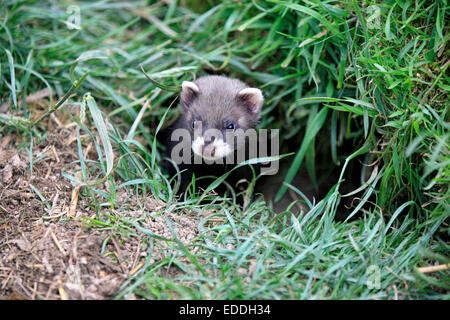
<point x="62" y="292"/>
<point x="57" y="243"/>
<point x="138" y="119"/>
<point x="137" y="268"/>
<point x="119" y="255"/>
<point x="74" y="198"/>
<point x="156" y="22"/>
<point x="430" y="269"/>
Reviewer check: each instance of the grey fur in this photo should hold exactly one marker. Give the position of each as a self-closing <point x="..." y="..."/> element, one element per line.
<point x="217" y="103"/>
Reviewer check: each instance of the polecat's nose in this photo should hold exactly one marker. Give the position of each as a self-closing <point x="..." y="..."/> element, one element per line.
<point x="209" y="150"/>
<point x="210" y="140"/>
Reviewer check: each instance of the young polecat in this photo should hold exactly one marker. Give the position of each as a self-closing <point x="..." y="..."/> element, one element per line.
<point x="215" y="113"/>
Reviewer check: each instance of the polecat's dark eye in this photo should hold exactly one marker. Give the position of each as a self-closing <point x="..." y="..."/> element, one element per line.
<point x="230" y="126"/>
<point x="193" y="124"/>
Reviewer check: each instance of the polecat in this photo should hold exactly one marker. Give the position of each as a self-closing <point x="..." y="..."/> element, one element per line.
<point x="215" y="113"/>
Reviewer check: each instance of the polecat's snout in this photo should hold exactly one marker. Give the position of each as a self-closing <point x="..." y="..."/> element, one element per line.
<point x="212" y="148"/>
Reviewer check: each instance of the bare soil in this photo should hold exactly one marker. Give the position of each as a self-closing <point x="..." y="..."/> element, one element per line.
<point x="47" y="250"/>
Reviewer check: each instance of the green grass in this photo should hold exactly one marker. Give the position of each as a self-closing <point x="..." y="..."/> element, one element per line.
<point x="340" y="87"/>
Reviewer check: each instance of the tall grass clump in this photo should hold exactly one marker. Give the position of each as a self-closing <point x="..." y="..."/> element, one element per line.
<point x="357" y="88"/>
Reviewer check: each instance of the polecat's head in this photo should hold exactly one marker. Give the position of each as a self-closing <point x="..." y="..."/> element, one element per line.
<point x="220" y="103"/>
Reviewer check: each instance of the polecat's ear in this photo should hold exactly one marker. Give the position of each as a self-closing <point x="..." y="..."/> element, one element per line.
<point x="189" y="92"/>
<point x="252" y="98"/>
